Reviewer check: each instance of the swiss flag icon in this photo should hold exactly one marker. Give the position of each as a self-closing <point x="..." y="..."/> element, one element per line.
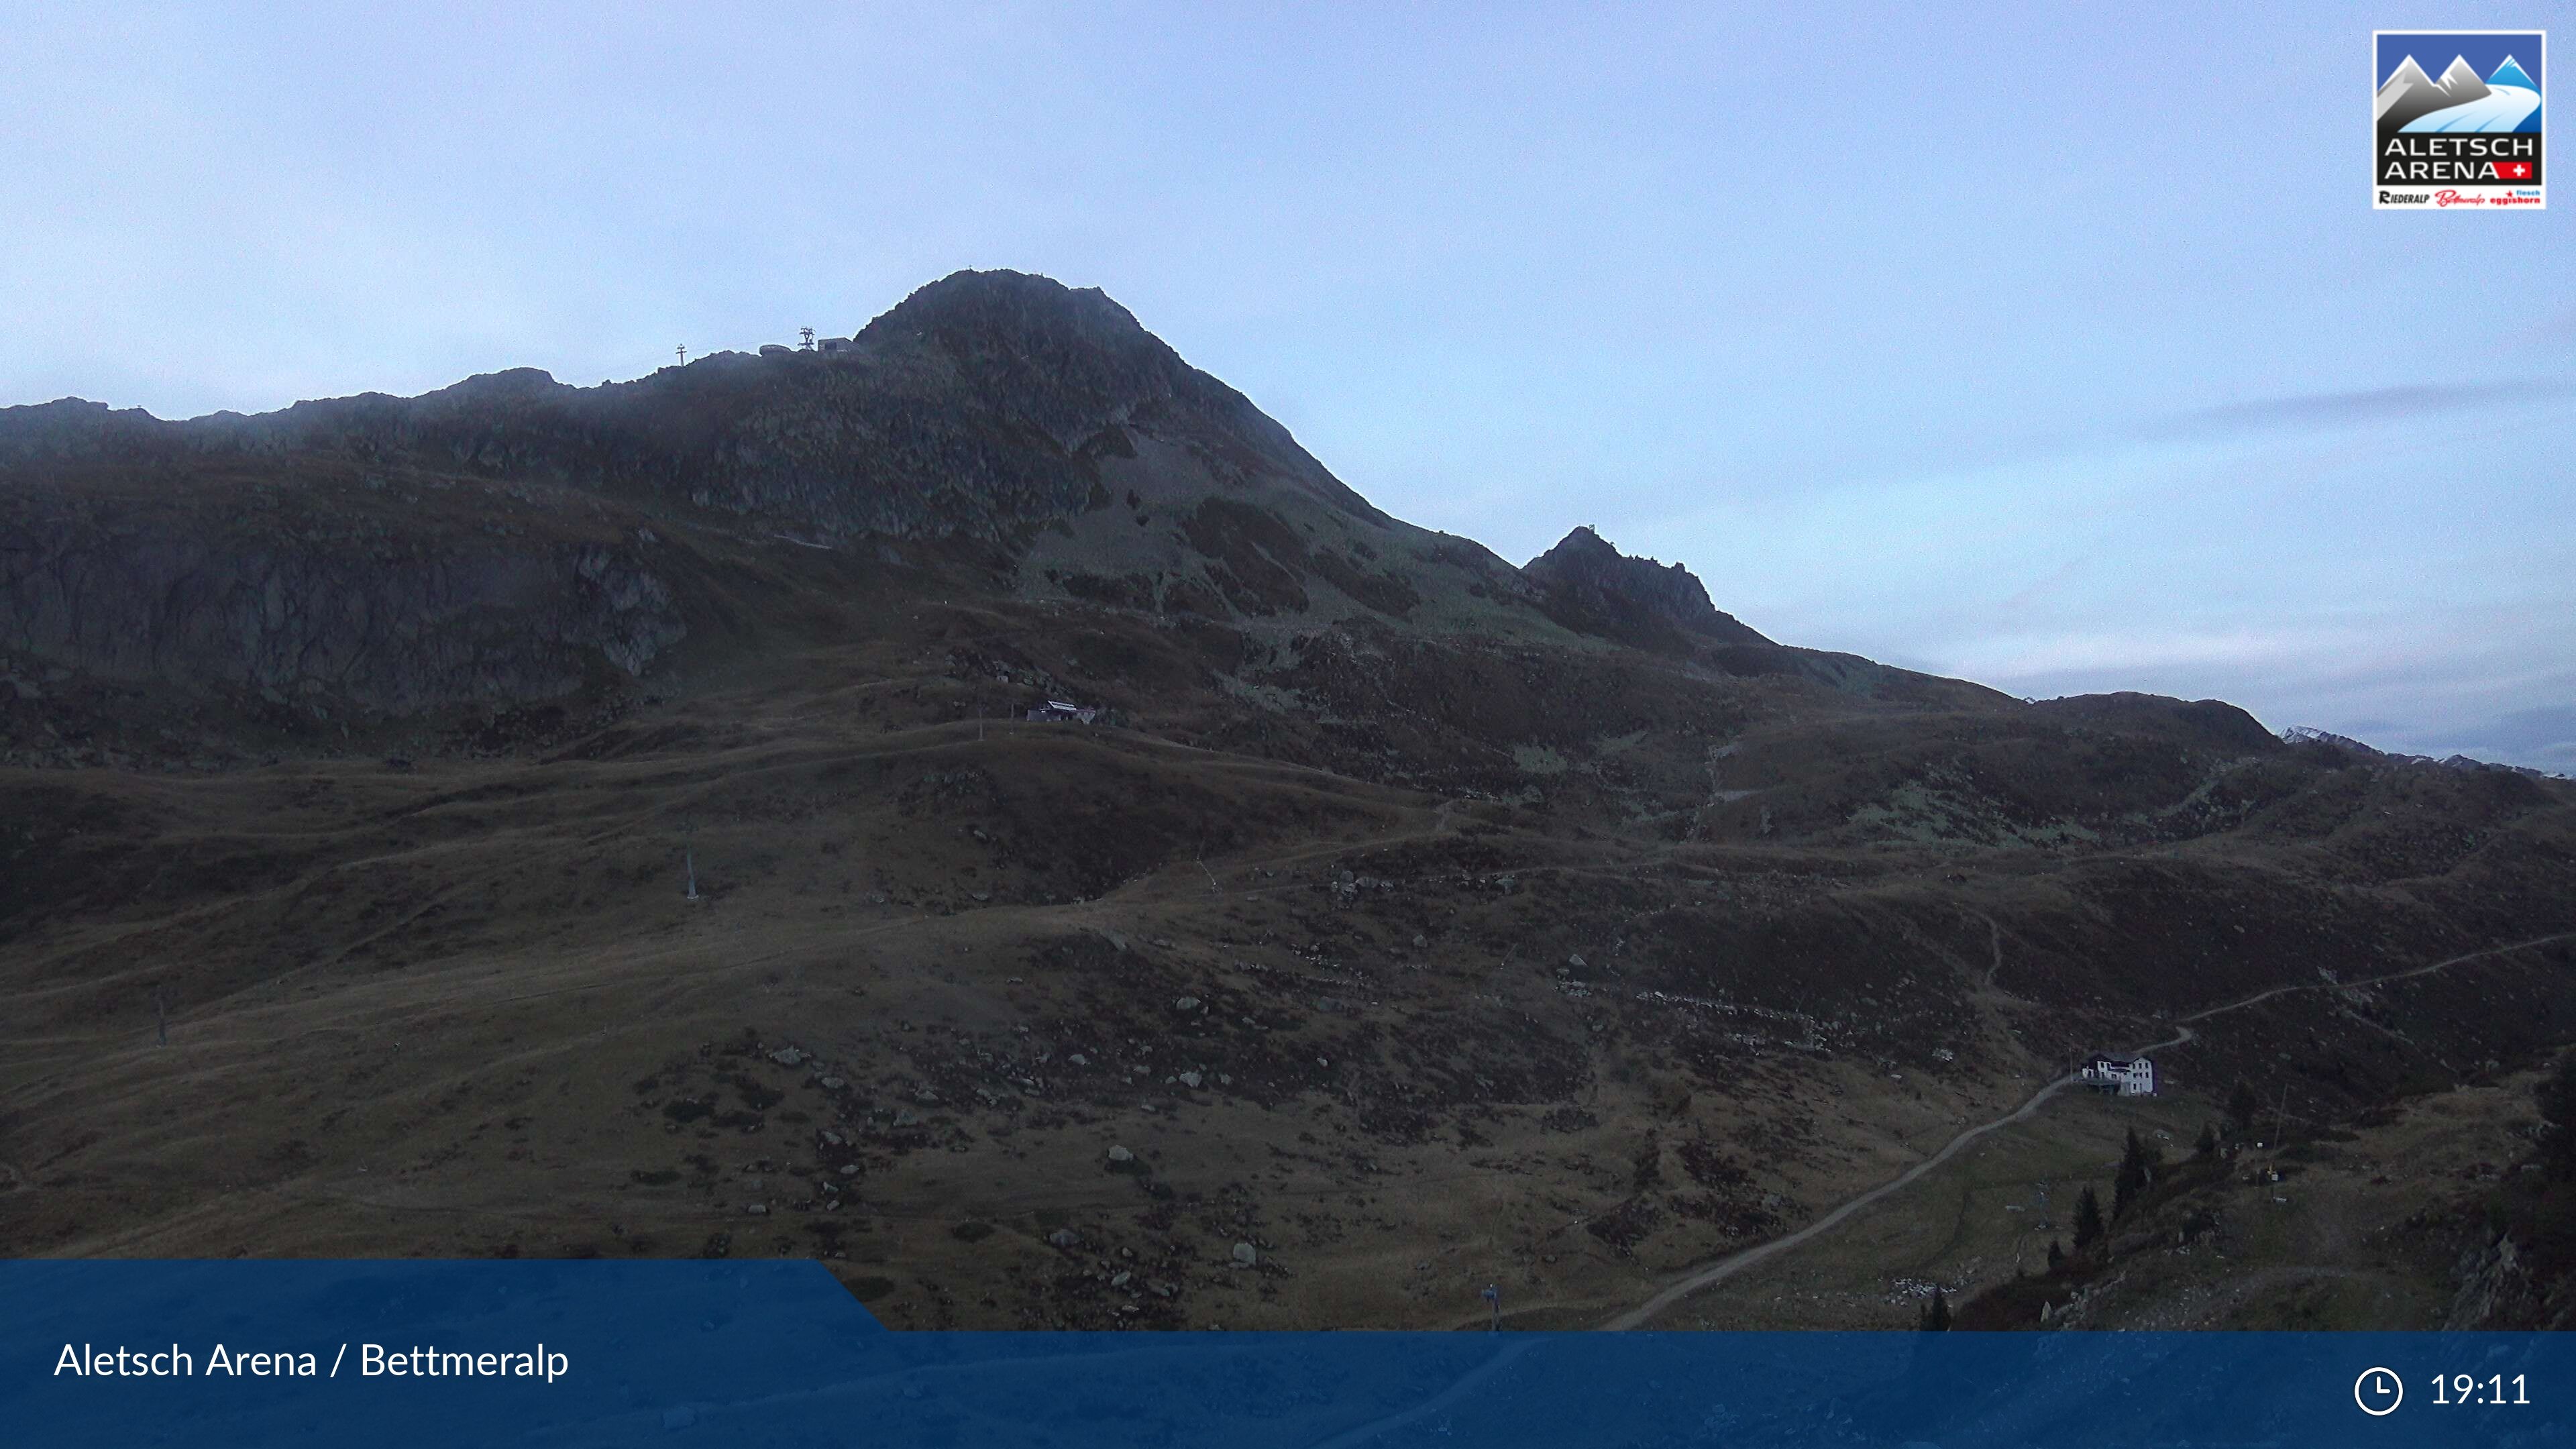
<point x="2514" y="170"/>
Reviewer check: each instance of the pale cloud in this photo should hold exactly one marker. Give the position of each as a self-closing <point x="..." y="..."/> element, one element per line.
<point x="2370" y="590"/>
<point x="2009" y="660"/>
<point x="2365" y="407"/>
<point x="2435" y="682"/>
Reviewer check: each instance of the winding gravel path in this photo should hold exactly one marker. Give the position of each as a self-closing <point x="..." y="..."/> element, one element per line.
<point x="1734" y="1263"/>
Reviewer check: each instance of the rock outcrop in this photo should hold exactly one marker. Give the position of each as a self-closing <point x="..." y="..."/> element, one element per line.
<point x="326" y="590"/>
<point x="1592" y="588"/>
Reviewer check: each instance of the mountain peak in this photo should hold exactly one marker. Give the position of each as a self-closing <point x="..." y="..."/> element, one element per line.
<point x="1584" y="544"/>
<point x="1589" y="586"/>
<point x="999" y="303"/>
<point x="2461" y="81"/>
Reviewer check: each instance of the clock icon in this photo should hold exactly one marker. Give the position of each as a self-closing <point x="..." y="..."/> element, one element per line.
<point x="2378" y="1391"/>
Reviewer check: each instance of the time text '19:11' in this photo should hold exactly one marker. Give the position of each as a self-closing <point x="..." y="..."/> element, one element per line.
<point x="2470" y="1389"/>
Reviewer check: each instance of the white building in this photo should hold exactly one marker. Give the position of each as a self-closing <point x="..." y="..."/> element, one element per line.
<point x="1057" y="709"/>
<point x="2127" y="1076"/>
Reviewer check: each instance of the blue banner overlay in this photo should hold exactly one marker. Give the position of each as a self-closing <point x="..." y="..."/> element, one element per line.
<point x="733" y="1353"/>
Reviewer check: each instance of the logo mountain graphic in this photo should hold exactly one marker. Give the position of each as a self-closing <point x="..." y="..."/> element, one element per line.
<point x="2407" y="77"/>
<point x="2409" y="100"/>
<point x="2461" y="82"/>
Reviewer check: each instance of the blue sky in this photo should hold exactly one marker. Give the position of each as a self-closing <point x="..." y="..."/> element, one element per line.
<point x="2060" y="350"/>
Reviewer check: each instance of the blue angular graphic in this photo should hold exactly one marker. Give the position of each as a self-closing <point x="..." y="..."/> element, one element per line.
<point x="739" y="1353"/>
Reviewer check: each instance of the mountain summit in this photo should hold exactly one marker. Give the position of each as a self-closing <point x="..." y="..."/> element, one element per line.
<point x="2406" y="79"/>
<point x="2461" y="81"/>
<point x="1591" y="587"/>
<point x="1079" y="368"/>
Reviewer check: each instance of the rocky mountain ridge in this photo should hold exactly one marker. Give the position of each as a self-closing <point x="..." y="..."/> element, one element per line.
<point x="977" y="408"/>
<point x="511" y="539"/>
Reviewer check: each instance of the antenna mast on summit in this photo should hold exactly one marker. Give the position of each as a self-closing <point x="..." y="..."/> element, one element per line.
<point x="684" y="354"/>
<point x="809" y="337"/>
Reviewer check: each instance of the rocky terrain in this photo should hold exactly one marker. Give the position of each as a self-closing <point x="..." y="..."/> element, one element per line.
<point x="1407" y="922"/>
<point x="1591" y="587"/>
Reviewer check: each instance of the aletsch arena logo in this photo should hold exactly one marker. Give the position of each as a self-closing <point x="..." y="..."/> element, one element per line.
<point x="2466" y="136"/>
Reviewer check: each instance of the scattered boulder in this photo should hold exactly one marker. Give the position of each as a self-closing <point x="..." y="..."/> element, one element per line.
<point x="1190" y="1079"/>
<point x="1065" y="1238"/>
<point x="1186" y="1003"/>
<point x="1246" y="1255"/>
<point x="787" y="1057"/>
<point x="1121" y="1154"/>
